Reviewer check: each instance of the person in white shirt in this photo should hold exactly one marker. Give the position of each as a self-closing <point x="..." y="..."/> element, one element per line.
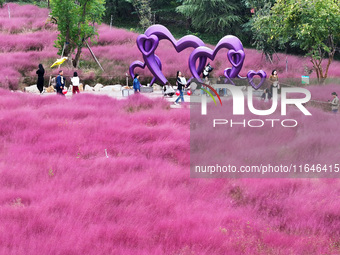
<point x="75" y="83"/>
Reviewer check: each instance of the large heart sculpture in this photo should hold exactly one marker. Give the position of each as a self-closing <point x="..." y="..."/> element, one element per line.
<point x="235" y="55"/>
<point x="251" y="75"/>
<point x="142" y="65"/>
<point x="148" y="43"/>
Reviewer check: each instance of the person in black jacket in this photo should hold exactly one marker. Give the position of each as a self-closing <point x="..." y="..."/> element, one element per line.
<point x="181" y="83"/>
<point x="60" y="83"/>
<point x="40" y="83"/>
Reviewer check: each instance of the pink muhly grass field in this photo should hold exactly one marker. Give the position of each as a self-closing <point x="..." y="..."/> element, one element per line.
<point x="323" y="93"/>
<point x="27" y="39"/>
<point x="60" y="194"/>
<point x="22" y="17"/>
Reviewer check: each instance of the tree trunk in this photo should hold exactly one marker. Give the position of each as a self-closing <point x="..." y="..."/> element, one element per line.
<point x="330" y="60"/>
<point x="67" y="50"/>
<point x="117" y="8"/>
<point x="318" y="69"/>
<point x="317" y="72"/>
<point x="94" y="57"/>
<point x="188" y="24"/>
<point x="77" y="57"/>
<point x="269" y="57"/>
<point x="143" y="10"/>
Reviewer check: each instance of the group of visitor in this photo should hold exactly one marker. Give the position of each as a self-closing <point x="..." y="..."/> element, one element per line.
<point x="60" y="81"/>
<point x="180" y="82"/>
<point x="274" y="79"/>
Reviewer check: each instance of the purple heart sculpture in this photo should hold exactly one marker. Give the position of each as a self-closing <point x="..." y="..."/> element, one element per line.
<point x="142" y="65"/>
<point x="251" y="75"/>
<point x="228" y="80"/>
<point x="235" y="55"/>
<point x="147" y="44"/>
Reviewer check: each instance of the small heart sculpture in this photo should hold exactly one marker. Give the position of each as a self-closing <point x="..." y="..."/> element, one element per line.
<point x="251" y="75"/>
<point x="237" y="56"/>
<point x="147" y="44"/>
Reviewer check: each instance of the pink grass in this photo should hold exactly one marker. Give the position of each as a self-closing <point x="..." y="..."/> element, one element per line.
<point x="60" y="194"/>
<point x="323" y="93"/>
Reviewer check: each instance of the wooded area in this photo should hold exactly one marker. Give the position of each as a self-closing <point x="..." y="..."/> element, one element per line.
<point x="310" y="28"/>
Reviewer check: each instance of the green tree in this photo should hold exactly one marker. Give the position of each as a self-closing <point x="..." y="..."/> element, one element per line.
<point x="122" y="12"/>
<point x="76" y="22"/>
<point x="143" y="9"/>
<point x="258" y="4"/>
<point x="260" y="27"/>
<point x="126" y="12"/>
<point x="165" y="11"/>
<point x="215" y="16"/>
<point x="313" y="26"/>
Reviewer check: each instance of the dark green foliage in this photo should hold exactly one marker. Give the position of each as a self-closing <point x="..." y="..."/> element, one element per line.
<point x="215" y="17"/>
<point x="312" y="26"/>
<point x="77" y="22"/>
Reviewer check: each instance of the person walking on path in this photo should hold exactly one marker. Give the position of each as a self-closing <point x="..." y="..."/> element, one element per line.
<point x="40" y="83"/>
<point x="75" y="83"/>
<point x="335" y="103"/>
<point x="274" y="78"/>
<point x="181" y="83"/>
<point x="60" y="83"/>
<point x="136" y="84"/>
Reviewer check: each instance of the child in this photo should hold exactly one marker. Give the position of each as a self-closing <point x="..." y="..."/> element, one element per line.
<point x="75" y="83"/>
